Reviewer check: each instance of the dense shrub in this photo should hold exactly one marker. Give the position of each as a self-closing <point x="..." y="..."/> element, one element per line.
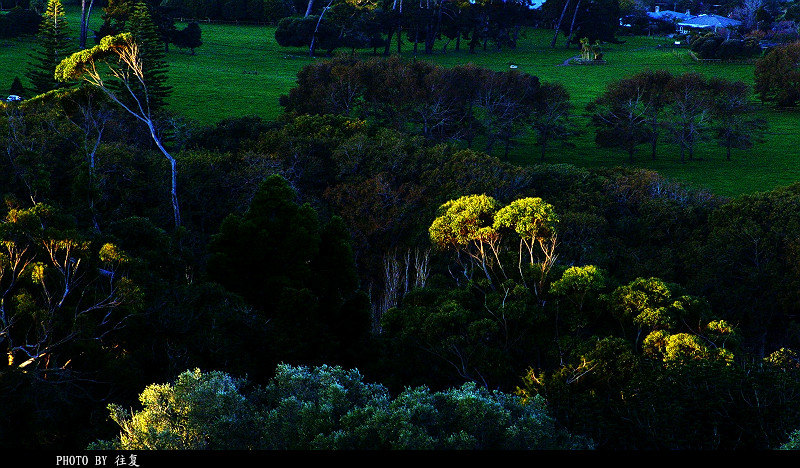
<point x="711" y="46"/>
<point x="330" y="408"/>
<point x="19" y="22"/>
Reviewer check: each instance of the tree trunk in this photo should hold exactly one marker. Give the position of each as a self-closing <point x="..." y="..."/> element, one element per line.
<point x="558" y="26"/>
<point x="653" y="138"/>
<point x="310" y="5"/>
<point x="314" y="36"/>
<point x="544" y="147"/>
<point x="86" y="13"/>
<point x="173" y="164"/>
<point x="399" y="39"/>
<point x="572" y="24"/>
<point x="388" y="45"/>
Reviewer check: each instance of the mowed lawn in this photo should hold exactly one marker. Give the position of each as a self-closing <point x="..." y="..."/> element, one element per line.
<point x="241" y="70"/>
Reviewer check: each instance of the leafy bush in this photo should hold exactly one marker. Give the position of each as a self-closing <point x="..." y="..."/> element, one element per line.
<point x="304" y="408"/>
<point x="19" y="22"/>
<point x="712" y="46"/>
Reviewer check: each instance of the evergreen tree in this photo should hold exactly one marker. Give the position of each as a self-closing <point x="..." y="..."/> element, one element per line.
<point x="151" y="49"/>
<point x="53" y="46"/>
<point x="297" y="272"/>
<point x="16" y="88"/>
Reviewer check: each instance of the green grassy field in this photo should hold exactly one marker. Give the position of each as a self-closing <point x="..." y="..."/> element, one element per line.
<point x="241" y="70"/>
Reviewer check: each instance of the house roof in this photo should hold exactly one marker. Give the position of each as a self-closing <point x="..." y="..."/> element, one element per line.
<point x="668" y="15"/>
<point x="709" y="21"/>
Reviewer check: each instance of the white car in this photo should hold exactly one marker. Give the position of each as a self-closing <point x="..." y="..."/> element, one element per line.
<point x="13" y="98"/>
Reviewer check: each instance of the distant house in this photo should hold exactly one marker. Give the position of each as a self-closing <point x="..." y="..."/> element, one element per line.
<point x="668" y="16"/>
<point x="654" y="21"/>
<point x="707" y="23"/>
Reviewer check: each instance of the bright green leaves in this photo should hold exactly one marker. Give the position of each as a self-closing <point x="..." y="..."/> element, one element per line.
<point x="475" y="224"/>
<point x="199" y="411"/>
<point x="465" y="221"/>
<point x="580" y="281"/>
<point x="531" y="218"/>
<point x="680" y="326"/>
<point x="74" y="66"/>
<point x="656" y="305"/>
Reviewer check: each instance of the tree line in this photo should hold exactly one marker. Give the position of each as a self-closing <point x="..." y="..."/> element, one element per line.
<point x="650" y="107"/>
<point x="376" y="25"/>
<point x="686" y="109"/>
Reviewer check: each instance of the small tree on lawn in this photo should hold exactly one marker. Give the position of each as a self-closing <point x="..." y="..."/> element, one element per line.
<point x="734" y="126"/>
<point x="777" y="76"/>
<point x="551" y="118"/>
<point x="189" y="38"/>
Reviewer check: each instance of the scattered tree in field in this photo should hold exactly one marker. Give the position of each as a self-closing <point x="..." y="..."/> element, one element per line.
<point x="419" y="97"/>
<point x="777" y="76"/>
<point x="120" y="57"/>
<point x="503" y="103"/>
<point x="688" y="107"/>
<point x="689" y="112"/>
<point x="53" y="46"/>
<point x="621" y="117"/>
<point x="733" y="125"/>
<point x="551" y="119"/>
<point x="655" y="85"/>
<point x="189" y="37"/>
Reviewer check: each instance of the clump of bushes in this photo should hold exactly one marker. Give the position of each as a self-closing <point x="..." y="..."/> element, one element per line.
<point x="330" y="408"/>
<point x="19" y="22"/>
<point x="715" y="46"/>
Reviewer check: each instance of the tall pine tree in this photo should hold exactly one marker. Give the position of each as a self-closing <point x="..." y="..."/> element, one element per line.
<point x="53" y="45"/>
<point x="151" y="50"/>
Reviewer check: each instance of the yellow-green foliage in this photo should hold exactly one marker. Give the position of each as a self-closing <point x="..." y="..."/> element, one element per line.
<point x="579" y="279"/>
<point x="531" y="218"/>
<point x="191" y="414"/>
<point x="74" y="66"/>
<point x="464" y="221"/>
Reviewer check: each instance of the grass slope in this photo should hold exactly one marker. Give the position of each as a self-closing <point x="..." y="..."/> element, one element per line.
<point x="241" y="70"/>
